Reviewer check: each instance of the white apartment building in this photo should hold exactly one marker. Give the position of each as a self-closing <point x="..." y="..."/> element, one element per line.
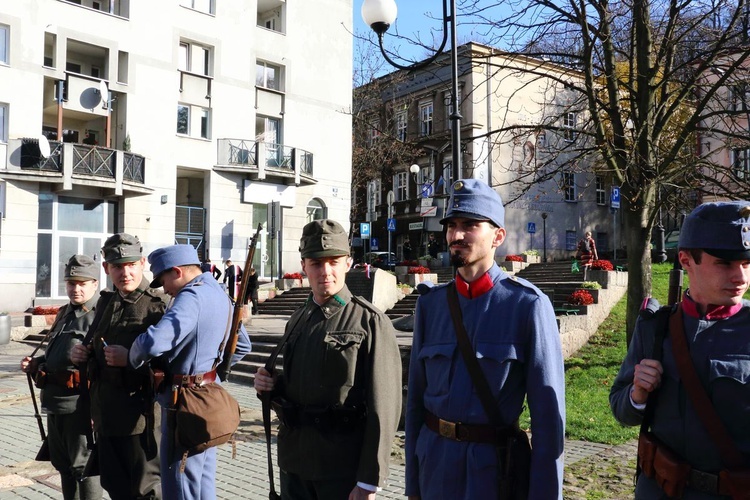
<point x="519" y="125"/>
<point x="177" y="121"/>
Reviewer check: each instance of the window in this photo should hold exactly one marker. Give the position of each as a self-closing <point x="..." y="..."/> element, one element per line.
<point x="446" y="180"/>
<point x="194" y="58"/>
<point x="569" y="186"/>
<point x="602" y="241"/>
<point x="569" y="123"/>
<point x="401" y="186"/>
<point x="205" y="123"/>
<point x="373" y="195"/>
<point x="316" y="210"/>
<point x="73" y="67"/>
<point x="270" y="15"/>
<point x="183" y="119"/>
<point x="739" y="97"/>
<point x="601" y="195"/>
<point x="449" y="108"/>
<point x="3" y="122"/>
<point x="373" y="132"/>
<point x="267" y="75"/>
<point x="741" y="163"/>
<point x="206" y="6"/>
<point x="4" y="44"/>
<point x="425" y="118"/>
<point x="401" y="126"/>
<point x="571" y="240"/>
<point x="426" y="182"/>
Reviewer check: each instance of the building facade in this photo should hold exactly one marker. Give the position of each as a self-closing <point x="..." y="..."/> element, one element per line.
<point x="520" y="132"/>
<point x="188" y="121"/>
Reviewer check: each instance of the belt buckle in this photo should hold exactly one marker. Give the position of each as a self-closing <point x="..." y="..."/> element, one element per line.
<point x="449" y="429"/>
<point x="704" y="482"/>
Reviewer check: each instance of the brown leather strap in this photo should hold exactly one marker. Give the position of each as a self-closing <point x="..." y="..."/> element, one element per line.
<point x="65" y="378"/>
<point x="730" y="455"/>
<point x="473" y="433"/>
<point x="193" y="380"/>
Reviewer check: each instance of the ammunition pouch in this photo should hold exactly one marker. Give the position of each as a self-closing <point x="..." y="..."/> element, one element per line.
<point x="736" y="483"/>
<point x="328" y="418"/>
<point x="68" y="379"/>
<point x="670" y="471"/>
<point x="40" y="379"/>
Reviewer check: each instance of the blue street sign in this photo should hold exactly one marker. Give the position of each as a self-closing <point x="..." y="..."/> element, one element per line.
<point x="614" y="200"/>
<point x="374" y="244"/>
<point x="364" y="230"/>
<point x="531" y="227"/>
<point x="391" y="225"/>
<point x="427" y="190"/>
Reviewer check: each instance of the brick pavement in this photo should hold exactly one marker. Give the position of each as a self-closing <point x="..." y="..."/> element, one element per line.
<point x="242" y="478"/>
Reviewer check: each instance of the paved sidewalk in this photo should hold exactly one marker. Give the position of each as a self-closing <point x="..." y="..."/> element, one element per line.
<point x="242" y="478"/>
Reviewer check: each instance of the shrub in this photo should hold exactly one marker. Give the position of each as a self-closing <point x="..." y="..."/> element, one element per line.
<point x="580" y="298"/>
<point x="45" y="310"/>
<point x="592" y="285"/>
<point x="531" y="252"/>
<point x="513" y="258"/>
<point x="602" y="265"/>
<point x="292" y="276"/>
<point x="419" y="270"/>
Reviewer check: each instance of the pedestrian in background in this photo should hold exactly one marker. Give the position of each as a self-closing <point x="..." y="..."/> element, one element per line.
<point x="407" y="248"/>
<point x="707" y="333"/>
<point x="252" y="289"/>
<point x="232" y="277"/>
<point x="122" y="404"/>
<point x="433" y="246"/>
<point x="207" y="267"/>
<point x="189" y="337"/>
<point x="59" y="380"/>
<point x="463" y="442"/>
<point x="339" y="397"/>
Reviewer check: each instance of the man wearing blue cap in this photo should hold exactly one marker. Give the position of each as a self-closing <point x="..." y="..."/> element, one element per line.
<point x="189" y="337"/>
<point x="709" y="330"/>
<point x="454" y="448"/>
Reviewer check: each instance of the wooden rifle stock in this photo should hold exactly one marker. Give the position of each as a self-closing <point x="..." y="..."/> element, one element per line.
<point x="225" y="368"/>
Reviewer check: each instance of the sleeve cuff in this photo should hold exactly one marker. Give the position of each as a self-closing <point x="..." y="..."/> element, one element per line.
<point x="637" y="406"/>
<point x="368" y="487"/>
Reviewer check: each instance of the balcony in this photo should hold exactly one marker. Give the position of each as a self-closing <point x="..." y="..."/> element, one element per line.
<point x="70" y="164"/>
<point x="119" y="8"/>
<point x="279" y="163"/>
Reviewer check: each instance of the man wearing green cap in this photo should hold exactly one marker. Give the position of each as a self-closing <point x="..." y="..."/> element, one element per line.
<point x="59" y="380"/>
<point x="339" y="398"/>
<point x="122" y="399"/>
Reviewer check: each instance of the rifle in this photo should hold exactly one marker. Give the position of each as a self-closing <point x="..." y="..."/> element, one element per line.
<point x="225" y="368"/>
<point x="43" y="453"/>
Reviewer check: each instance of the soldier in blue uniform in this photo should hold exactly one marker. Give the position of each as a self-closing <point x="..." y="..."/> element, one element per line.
<point x="59" y="380"/>
<point x="714" y="250"/>
<point x="188" y="336"/>
<point x="452" y="446"/>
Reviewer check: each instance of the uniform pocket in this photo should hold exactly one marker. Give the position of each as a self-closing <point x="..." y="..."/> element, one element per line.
<point x="340" y="360"/>
<point x="498" y="360"/>
<point x="728" y="377"/>
<point x="437" y="360"/>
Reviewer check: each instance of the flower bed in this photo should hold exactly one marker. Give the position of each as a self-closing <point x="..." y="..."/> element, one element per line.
<point x="513" y="258"/>
<point x="292" y="276"/>
<point x="418" y="270"/>
<point x="602" y="265"/>
<point x="580" y="298"/>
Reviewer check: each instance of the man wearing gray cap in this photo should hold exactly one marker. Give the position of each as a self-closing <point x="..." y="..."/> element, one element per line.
<point x="706" y="334"/>
<point x="190" y="338"/>
<point x="122" y="405"/>
<point x="483" y="344"/>
<point x="59" y="380"/>
<point x="339" y="398"/>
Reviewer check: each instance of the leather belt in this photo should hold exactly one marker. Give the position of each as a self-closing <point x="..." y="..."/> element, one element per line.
<point x="706" y="482"/>
<point x="64" y="378"/>
<point x="473" y="433"/>
<point x="193" y="380"/>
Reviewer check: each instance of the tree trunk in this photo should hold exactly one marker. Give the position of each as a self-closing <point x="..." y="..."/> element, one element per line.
<point x="638" y="241"/>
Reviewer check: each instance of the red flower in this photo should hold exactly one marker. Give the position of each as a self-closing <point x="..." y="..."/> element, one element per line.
<point x="292" y="276"/>
<point x="513" y="258"/>
<point x="580" y="298"/>
<point x="602" y="265"/>
<point x="45" y="310"/>
<point x="419" y="270"/>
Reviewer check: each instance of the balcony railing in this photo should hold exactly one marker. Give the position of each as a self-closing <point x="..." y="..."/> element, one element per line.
<point x="276" y="157"/>
<point x="89" y="160"/>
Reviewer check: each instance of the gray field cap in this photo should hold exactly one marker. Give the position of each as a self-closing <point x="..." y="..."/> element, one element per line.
<point x="323" y="238"/>
<point x="81" y="268"/>
<point x="122" y="247"/>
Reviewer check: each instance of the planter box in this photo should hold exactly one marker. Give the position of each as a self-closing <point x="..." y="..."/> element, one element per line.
<point x="288" y="284"/>
<point x="262" y="296"/>
<point x="414" y="279"/>
<point x="401" y="270"/>
<point x="594" y="293"/>
<point x="607" y="278"/>
<point x="531" y="259"/>
<point x="425" y="262"/>
<point x="512" y="266"/>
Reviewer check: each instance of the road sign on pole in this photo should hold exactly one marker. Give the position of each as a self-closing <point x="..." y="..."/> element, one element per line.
<point x="374" y="244"/>
<point x="391" y="225"/>
<point x="614" y="199"/>
<point x="364" y="230"/>
<point x="531" y="227"/>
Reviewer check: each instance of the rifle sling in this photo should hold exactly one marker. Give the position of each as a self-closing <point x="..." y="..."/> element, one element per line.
<point x="730" y="455"/>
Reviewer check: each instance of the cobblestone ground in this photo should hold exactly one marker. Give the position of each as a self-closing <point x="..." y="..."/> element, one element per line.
<point x="607" y="475"/>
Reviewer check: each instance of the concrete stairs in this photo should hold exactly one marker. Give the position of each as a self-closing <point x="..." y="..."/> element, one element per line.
<point x="285" y="303"/>
<point x="403" y="307"/>
<point x="553" y="278"/>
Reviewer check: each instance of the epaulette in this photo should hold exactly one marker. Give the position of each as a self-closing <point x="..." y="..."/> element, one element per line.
<point x="524" y="283"/>
<point x="365" y="303"/>
<point x="425" y="287"/>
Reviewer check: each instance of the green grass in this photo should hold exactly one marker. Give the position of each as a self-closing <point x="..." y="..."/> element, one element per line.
<point x="590" y="372"/>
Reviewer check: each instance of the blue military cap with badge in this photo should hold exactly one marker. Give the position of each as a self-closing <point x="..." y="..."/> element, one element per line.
<point x="165" y="258"/>
<point x="474" y="199"/>
<point x="721" y="229"/>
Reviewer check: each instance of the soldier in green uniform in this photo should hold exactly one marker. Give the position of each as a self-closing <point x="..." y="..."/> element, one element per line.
<point x="122" y="402"/>
<point x="339" y="399"/>
<point x="59" y="380"/>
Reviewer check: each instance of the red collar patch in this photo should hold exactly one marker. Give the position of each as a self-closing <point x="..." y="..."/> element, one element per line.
<point x="713" y="312"/>
<point x="476" y="288"/>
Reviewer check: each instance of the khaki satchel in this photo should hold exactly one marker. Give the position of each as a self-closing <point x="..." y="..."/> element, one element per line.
<point x="205" y="416"/>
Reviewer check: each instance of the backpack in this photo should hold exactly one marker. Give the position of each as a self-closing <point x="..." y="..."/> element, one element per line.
<point x="585" y="245"/>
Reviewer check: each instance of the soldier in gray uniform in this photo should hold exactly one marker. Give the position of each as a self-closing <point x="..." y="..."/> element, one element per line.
<point x="59" y="380"/>
<point x="339" y="398"/>
<point x="122" y="399"/>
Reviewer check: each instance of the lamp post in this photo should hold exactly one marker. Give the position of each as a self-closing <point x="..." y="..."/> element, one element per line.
<point x="414" y="170"/>
<point x="544" y="235"/>
<point x="379" y="15"/>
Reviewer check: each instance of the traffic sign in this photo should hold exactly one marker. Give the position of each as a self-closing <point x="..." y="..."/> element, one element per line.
<point x="427" y="190"/>
<point x="531" y="227"/>
<point x="364" y="230"/>
<point x="428" y="212"/>
<point x="374" y="244"/>
<point x="614" y="199"/>
<point x="391" y="225"/>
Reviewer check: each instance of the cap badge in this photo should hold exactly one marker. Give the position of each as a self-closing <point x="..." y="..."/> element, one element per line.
<point x="745" y="211"/>
<point x="458" y="186"/>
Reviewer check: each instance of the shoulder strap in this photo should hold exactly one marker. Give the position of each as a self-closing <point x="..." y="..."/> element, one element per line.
<point x="224" y="340"/>
<point x="730" y="455"/>
<point x="470" y="359"/>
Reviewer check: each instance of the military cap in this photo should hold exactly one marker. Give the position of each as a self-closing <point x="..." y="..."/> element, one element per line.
<point x="81" y="268"/>
<point x="323" y="238"/>
<point x="122" y="247"/>
<point x="164" y="259"/>
<point x="474" y="199"/>
<point x="721" y="229"/>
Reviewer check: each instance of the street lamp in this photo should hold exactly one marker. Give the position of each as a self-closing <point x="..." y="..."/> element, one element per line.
<point x="544" y="234"/>
<point x="379" y="15"/>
